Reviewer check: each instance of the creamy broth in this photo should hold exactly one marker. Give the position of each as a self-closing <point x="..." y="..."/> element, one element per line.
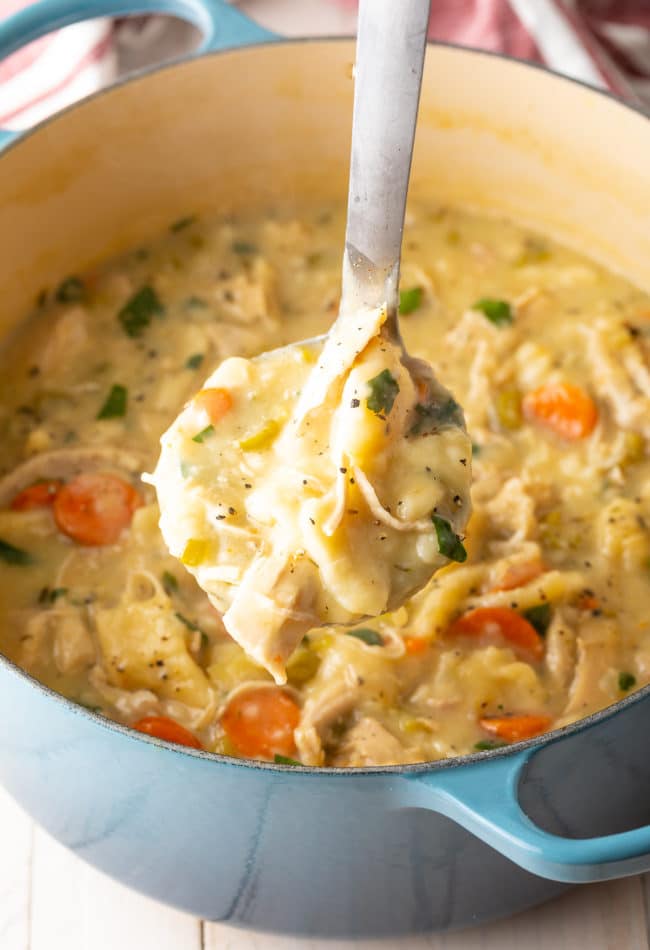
<point x="543" y="624"/>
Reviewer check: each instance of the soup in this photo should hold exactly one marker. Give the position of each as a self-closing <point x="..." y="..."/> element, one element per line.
<point x="542" y="624"/>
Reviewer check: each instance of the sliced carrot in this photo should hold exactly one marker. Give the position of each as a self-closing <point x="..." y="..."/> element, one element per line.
<point x="94" y="508"/>
<point x="516" y="575"/>
<point x="216" y="402"/>
<point x="260" y="722"/>
<point x="563" y="408"/>
<point x="163" y="728"/>
<point x="38" y="495"/>
<point x="513" y="728"/>
<point x="500" y="623"/>
<point x="588" y="602"/>
<point x="415" y="645"/>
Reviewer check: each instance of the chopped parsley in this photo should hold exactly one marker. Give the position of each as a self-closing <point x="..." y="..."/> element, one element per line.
<point x="430" y="418"/>
<point x="11" y="555"/>
<point x="284" y="760"/>
<point x="203" y="434"/>
<point x="626" y="681"/>
<point x="486" y="744"/>
<point x="534" y="252"/>
<point x="135" y="316"/>
<point x="498" y="312"/>
<point x="70" y="290"/>
<point x="49" y="595"/>
<point x="169" y="582"/>
<point x="539" y="617"/>
<point x="194" y="361"/>
<point x="115" y="404"/>
<point x="383" y="392"/>
<point x="244" y="247"/>
<point x="409" y="300"/>
<point x="449" y="543"/>
<point x="182" y="223"/>
<point x="190" y="624"/>
<point x="195" y="303"/>
<point x="371" y="637"/>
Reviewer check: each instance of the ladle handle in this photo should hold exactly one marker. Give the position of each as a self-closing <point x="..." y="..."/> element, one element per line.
<point x="390" y="58"/>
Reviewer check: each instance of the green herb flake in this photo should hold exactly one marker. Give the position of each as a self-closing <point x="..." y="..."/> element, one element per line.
<point x="435" y="416"/>
<point x="203" y="434"/>
<point x="70" y="290"/>
<point x="11" y="555"/>
<point x="50" y="595"/>
<point x="285" y="760"/>
<point x="486" y="744"/>
<point x="115" y="405"/>
<point x="182" y="223"/>
<point x="371" y="637"/>
<point x="383" y="392"/>
<point x="194" y="361"/>
<point x="244" y="247"/>
<point x="476" y="449"/>
<point x="539" y="617"/>
<point x="449" y="544"/>
<point x="169" y="582"/>
<point x="190" y="624"/>
<point x="498" y="312"/>
<point x="195" y="303"/>
<point x="135" y="316"/>
<point x="626" y="681"/>
<point x="409" y="300"/>
<point x="534" y="252"/>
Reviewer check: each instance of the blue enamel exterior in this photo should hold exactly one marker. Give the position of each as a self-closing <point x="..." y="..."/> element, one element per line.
<point x="388" y="852"/>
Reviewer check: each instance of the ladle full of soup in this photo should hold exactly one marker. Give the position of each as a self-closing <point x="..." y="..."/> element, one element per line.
<point x="327" y="481"/>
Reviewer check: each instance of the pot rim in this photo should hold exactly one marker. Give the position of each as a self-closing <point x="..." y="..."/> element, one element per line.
<point x="416" y="768"/>
<point x="20" y="135"/>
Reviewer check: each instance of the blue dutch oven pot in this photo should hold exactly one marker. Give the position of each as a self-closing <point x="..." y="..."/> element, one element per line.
<point x="381" y="851"/>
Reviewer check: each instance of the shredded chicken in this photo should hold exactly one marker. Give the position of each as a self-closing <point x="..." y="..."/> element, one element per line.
<point x="560" y="656"/>
<point x="620" y="374"/>
<point x="369" y="743"/>
<point x="598" y="641"/>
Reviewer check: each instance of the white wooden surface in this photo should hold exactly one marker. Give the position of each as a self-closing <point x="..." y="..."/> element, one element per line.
<point x="49" y="900"/>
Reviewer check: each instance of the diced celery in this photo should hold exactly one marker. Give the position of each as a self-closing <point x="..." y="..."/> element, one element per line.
<point x="261" y="439"/>
<point x="194" y="552"/>
<point x="508" y="408"/>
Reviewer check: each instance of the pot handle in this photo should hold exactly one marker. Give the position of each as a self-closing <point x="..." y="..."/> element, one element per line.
<point x="483" y="798"/>
<point x="222" y="26"/>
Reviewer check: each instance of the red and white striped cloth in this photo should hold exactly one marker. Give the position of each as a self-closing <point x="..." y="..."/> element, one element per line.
<point x="54" y="71"/>
<point x="603" y="42"/>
